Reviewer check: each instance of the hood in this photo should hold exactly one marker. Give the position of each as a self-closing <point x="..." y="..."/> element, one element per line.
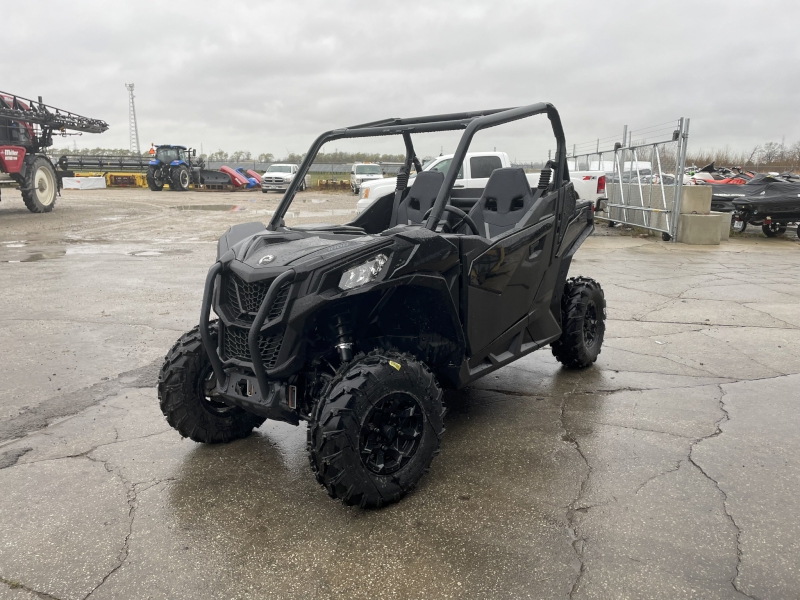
<point x="291" y="252"/>
<point x="392" y="181"/>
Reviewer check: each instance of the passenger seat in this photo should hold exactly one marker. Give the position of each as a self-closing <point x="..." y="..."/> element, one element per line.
<point x="505" y="201"/>
<point x="419" y="200"/>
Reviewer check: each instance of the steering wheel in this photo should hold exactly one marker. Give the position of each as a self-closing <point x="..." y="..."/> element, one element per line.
<point x="465" y="218"/>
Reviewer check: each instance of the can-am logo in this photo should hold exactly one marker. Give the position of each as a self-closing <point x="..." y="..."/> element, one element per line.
<point x="12" y="154"/>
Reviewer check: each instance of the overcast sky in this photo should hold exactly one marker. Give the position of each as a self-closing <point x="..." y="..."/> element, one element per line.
<point x="270" y="76"/>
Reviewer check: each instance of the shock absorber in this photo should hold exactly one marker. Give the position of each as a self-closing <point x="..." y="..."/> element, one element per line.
<point x="343" y="330"/>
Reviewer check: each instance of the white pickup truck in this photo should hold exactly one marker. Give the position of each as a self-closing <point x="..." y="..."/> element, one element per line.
<point x="278" y="177"/>
<point x="472" y="178"/>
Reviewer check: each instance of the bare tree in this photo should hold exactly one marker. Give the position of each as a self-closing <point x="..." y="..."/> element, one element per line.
<point x="755" y="155"/>
<point x="771" y="152"/>
<point x="794" y="152"/>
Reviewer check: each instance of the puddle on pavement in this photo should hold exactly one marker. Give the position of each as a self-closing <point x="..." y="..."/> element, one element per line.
<point x="34" y="256"/>
<point x="214" y="207"/>
<point x="148" y="253"/>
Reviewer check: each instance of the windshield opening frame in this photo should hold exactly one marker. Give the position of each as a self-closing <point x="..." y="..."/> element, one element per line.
<point x="470" y="122"/>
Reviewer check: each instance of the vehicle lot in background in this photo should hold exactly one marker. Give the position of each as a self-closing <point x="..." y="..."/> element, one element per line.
<point x="278" y="177"/>
<point x="663" y="456"/>
<point x="361" y="173"/>
<point x="472" y="178"/>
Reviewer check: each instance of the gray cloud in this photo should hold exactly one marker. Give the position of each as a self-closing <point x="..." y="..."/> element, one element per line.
<point x="201" y="68"/>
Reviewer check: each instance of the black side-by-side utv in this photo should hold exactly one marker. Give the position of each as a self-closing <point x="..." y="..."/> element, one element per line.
<point x="356" y="328"/>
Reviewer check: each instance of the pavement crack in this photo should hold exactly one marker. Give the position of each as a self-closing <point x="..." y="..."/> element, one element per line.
<point x="657" y="475"/>
<point x="16" y="585"/>
<point x="717" y="432"/>
<point x="573" y="509"/>
<point x="10" y="457"/>
<point x="122" y="556"/>
<point x="677" y="435"/>
<point x="85" y="453"/>
<point x="74" y="402"/>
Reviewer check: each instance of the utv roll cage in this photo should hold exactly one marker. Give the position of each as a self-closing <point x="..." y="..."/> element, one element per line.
<point x="470" y="122"/>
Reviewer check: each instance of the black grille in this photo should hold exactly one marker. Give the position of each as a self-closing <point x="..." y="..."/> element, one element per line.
<point x="246" y="298"/>
<point x="235" y="346"/>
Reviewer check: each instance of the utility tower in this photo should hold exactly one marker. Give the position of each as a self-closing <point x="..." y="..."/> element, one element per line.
<point x="134" y="128"/>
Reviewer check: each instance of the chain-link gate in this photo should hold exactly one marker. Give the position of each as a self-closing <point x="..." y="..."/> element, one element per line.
<point x="644" y="178"/>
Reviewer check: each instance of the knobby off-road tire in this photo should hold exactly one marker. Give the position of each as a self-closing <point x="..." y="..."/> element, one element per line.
<point x="154" y="183"/>
<point x="183" y="386"/>
<point x="583" y="323"/>
<point x="376" y="428"/>
<point x="773" y="230"/>
<point x="40" y="186"/>
<point x="181" y="178"/>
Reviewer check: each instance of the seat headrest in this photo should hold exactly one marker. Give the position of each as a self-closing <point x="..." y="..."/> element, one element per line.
<point x="507" y="190"/>
<point x="424" y="190"/>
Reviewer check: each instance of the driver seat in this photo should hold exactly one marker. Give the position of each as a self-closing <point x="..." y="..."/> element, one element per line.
<point x="505" y="201"/>
<point x="419" y="200"/>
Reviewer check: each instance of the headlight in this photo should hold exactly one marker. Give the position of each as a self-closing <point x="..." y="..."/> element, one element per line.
<point x="287" y="179"/>
<point x="358" y="276"/>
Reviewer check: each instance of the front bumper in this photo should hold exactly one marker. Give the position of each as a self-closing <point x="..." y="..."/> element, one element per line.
<point x="275" y="187"/>
<point x="255" y="392"/>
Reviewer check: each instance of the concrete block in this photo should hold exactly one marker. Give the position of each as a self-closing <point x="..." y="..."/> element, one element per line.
<point x="699" y="229"/>
<point x="724" y="225"/>
<point x="696" y="199"/>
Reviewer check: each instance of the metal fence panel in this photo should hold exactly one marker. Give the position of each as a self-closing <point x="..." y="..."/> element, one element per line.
<point x="644" y="178"/>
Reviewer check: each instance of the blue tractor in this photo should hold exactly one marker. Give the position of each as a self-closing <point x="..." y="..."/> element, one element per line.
<point x="172" y="165"/>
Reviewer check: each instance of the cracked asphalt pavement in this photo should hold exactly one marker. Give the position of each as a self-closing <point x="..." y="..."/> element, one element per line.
<point x="670" y="469"/>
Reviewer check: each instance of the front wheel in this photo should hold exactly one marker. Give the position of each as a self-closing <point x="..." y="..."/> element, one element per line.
<point x="738" y="225"/>
<point x="583" y="323"/>
<point x="773" y="229"/>
<point x="40" y="186"/>
<point x="376" y="429"/>
<point x="186" y="394"/>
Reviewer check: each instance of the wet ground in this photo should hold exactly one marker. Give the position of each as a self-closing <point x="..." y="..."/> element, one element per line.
<point x="668" y="470"/>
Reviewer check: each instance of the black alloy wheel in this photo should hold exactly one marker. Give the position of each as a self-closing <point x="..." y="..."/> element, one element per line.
<point x="590" y="324"/>
<point x="391" y="433"/>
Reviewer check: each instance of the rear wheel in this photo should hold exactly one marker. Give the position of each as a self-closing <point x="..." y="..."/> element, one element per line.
<point x="40" y="186"/>
<point x="181" y="178"/>
<point x="185" y="392"/>
<point x="154" y="180"/>
<point x="376" y="429"/>
<point x="773" y="229"/>
<point x="583" y="323"/>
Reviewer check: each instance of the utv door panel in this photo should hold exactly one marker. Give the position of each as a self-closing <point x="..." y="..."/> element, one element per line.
<point x="504" y="280"/>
